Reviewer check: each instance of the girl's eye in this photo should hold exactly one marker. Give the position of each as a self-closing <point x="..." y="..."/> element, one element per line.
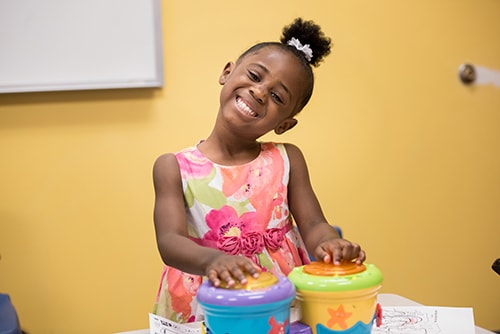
<point x="253" y="76"/>
<point x="277" y="98"/>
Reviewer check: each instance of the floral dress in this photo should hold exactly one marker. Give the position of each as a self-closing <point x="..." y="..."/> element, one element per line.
<point x="240" y="210"/>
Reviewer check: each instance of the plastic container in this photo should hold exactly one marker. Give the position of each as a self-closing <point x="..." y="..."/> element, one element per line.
<point x="337" y="298"/>
<point x="260" y="306"/>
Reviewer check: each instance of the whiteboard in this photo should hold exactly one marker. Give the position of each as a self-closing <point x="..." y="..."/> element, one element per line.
<point x="49" y="45"/>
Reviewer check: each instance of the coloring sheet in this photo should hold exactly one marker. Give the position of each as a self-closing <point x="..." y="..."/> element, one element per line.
<point x="425" y="320"/>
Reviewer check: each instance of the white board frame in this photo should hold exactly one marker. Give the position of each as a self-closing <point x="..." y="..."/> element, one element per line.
<point x="53" y="45"/>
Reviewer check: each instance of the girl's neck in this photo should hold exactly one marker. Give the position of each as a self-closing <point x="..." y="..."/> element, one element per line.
<point x="229" y="152"/>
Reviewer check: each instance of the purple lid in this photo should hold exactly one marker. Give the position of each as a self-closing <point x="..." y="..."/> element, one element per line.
<point x="208" y="294"/>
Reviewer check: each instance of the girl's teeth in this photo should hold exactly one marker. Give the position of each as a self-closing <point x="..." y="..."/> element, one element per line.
<point x="245" y="108"/>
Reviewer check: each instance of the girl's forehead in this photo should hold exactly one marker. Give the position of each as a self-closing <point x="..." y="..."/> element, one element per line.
<point x="270" y="52"/>
<point x="275" y="61"/>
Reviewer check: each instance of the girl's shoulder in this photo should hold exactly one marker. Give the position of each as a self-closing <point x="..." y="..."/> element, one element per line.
<point x="288" y="148"/>
<point x="272" y="145"/>
<point x="293" y="154"/>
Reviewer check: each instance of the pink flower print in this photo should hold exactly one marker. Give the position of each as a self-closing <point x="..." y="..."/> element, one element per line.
<point x="259" y="183"/>
<point x="193" y="162"/>
<point x="251" y="243"/>
<point x="266" y="185"/>
<point x="234" y="179"/>
<point x="191" y="283"/>
<point x="225" y="222"/>
<point x="277" y="202"/>
<point x="182" y="287"/>
<point x="229" y="245"/>
<point x="273" y="238"/>
<point x="277" y="198"/>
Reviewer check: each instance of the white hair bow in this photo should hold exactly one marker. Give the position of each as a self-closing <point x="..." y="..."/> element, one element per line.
<point x="305" y="49"/>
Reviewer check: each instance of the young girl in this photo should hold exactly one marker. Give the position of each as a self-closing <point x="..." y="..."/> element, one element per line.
<point x="224" y="207"/>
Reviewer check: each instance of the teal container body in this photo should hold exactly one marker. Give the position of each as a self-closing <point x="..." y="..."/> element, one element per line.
<point x="263" y="307"/>
<point x="252" y="319"/>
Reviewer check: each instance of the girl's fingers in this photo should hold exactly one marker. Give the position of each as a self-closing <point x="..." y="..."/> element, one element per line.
<point x="350" y="251"/>
<point x="226" y="276"/>
<point x="237" y="273"/>
<point x="361" y="257"/>
<point x="340" y="251"/>
<point x="213" y="277"/>
<point x="252" y="269"/>
<point x="333" y="253"/>
<point x="231" y="271"/>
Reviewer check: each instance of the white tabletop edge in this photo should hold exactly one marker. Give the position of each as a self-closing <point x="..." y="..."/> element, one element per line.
<point x="385" y="299"/>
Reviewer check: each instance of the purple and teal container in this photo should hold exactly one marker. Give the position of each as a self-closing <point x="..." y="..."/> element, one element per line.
<point x="260" y="306"/>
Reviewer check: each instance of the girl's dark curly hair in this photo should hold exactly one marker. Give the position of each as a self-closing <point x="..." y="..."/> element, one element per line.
<point x="307" y="32"/>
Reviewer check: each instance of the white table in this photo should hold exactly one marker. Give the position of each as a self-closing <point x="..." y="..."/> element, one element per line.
<point x="385" y="299"/>
<point x="389" y="299"/>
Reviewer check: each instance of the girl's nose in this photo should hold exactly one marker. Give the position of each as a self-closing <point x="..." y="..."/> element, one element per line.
<point x="258" y="93"/>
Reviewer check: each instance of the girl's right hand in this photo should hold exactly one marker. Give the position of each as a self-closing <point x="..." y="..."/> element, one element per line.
<point x="231" y="269"/>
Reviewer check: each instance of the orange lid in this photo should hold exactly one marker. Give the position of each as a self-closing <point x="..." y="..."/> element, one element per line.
<point x="330" y="269"/>
<point x="265" y="279"/>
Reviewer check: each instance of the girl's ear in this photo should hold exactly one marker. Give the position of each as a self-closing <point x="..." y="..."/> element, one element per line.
<point x="285" y="125"/>
<point x="226" y="72"/>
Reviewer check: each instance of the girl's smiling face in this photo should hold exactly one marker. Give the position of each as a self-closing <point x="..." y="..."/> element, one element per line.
<point x="262" y="91"/>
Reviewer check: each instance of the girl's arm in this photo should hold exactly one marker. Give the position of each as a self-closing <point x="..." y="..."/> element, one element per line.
<point x="175" y="248"/>
<point x="321" y="238"/>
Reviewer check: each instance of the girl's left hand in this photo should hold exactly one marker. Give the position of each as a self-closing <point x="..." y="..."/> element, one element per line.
<point x="337" y="250"/>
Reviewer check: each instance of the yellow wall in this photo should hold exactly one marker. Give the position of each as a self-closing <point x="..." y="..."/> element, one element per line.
<point x="402" y="156"/>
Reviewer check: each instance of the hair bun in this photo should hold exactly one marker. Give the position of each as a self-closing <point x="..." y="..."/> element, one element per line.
<point x="307" y="33"/>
